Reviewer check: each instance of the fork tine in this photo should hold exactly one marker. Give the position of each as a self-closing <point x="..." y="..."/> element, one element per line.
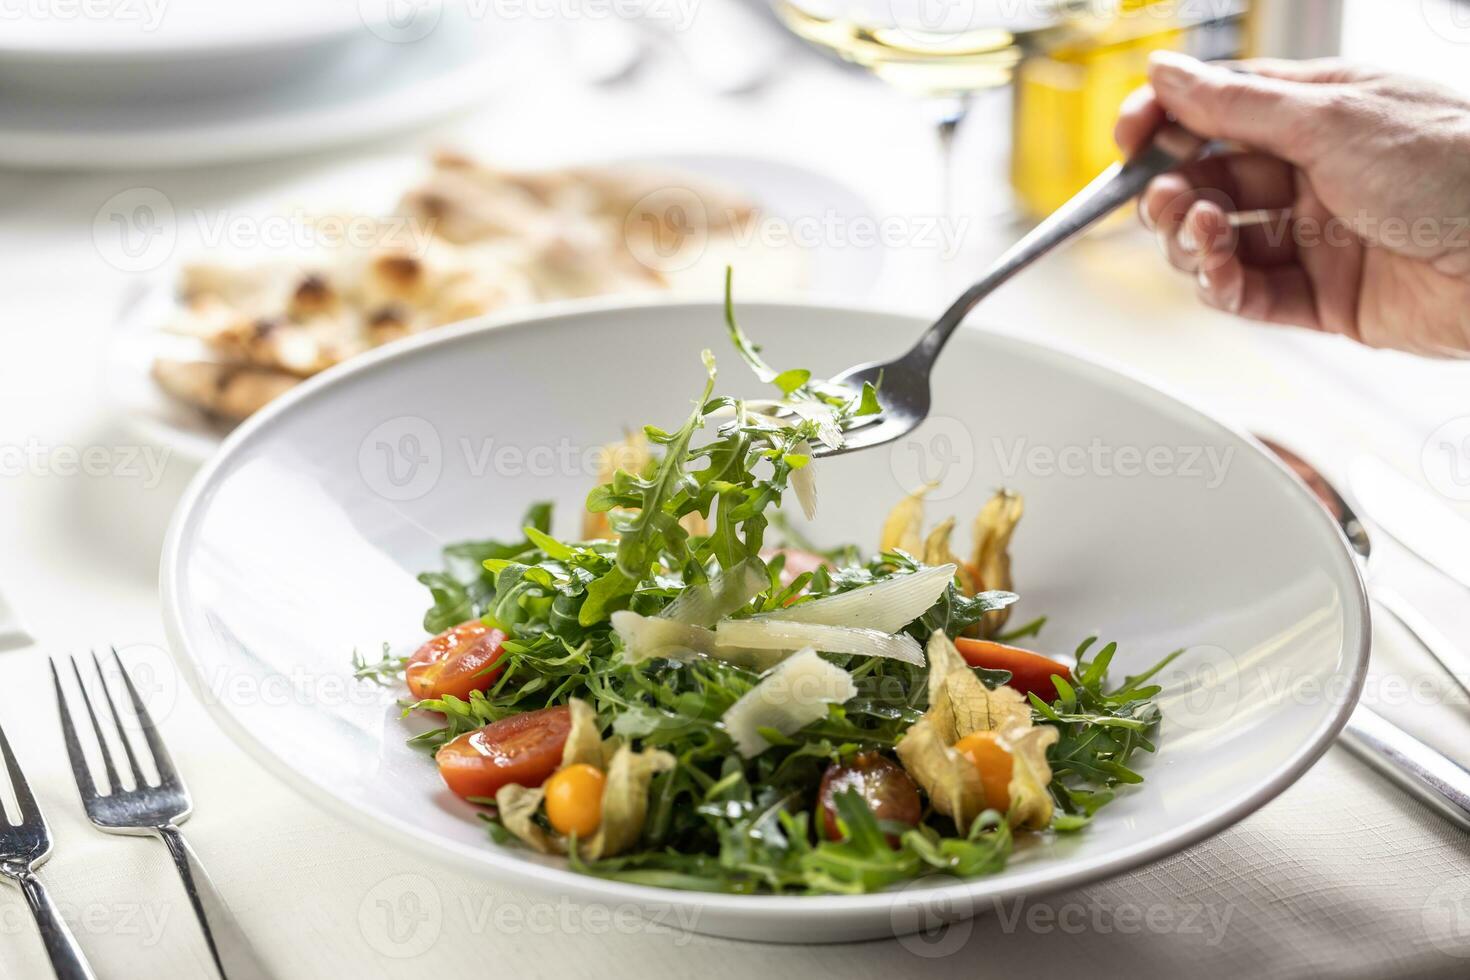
<point x="30" y="813"/>
<point x="85" y="783"/>
<point x="122" y="735"/>
<point x="113" y="783"/>
<point x="167" y="774"/>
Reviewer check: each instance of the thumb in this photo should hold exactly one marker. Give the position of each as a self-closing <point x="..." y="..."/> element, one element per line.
<point x="1270" y="114"/>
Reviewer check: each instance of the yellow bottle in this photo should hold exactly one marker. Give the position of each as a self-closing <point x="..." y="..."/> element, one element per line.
<point x="1067" y="97"/>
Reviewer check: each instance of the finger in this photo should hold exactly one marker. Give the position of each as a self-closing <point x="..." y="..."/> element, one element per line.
<point x="1323" y="71"/>
<point x="1251" y="181"/>
<point x="1138" y="119"/>
<point x="1217" y="103"/>
<point x="1207" y="235"/>
<point x="1281" y="295"/>
<point x="1241" y="184"/>
<point x="1166" y="203"/>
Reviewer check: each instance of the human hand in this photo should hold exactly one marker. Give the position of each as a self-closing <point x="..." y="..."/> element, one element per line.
<point x="1368" y="178"/>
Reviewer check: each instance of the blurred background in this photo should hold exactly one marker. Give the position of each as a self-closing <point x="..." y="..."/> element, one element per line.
<point x="203" y="203"/>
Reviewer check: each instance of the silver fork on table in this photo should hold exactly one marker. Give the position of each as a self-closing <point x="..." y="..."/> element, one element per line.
<point x="151" y="811"/>
<point x="24" y="847"/>
<point x="904" y="388"/>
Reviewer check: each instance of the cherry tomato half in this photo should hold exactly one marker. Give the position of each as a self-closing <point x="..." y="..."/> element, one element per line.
<point x="523" y="749"/>
<point x="455" y="662"/>
<point x="1030" y="672"/>
<point x="883" y="785"/>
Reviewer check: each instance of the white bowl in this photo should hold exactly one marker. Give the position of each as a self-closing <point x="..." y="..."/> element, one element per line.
<point x="301" y="540"/>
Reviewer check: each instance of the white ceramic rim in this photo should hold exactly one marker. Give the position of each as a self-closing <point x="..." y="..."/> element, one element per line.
<point x="148" y="47"/>
<point x="1038" y="879"/>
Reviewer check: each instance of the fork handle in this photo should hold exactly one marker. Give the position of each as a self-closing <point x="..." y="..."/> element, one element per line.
<point x="1171" y="147"/>
<point x="66" y="956"/>
<point x="234" y="957"/>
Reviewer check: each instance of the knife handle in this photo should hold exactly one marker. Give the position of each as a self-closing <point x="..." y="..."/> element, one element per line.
<point x="1449" y="656"/>
<point x="1421" y="770"/>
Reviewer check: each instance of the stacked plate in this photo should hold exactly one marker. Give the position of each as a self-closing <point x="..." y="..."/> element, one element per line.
<point x="131" y="83"/>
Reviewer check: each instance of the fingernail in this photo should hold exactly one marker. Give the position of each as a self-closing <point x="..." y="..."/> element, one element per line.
<point x="1172" y="71"/>
<point x="1235" y="297"/>
<point x="1187" y="241"/>
<point x="1203" y="278"/>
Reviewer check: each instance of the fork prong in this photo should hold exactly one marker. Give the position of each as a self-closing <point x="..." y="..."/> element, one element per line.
<point x="167" y="774"/>
<point x="83" y="773"/>
<point x="30" y="813"/>
<point x="113" y="783"/>
<point x="122" y="734"/>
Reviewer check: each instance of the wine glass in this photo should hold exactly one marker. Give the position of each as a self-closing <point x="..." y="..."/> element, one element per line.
<point x="941" y="51"/>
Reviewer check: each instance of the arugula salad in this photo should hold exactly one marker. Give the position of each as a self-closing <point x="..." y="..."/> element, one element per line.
<point x="689" y="696"/>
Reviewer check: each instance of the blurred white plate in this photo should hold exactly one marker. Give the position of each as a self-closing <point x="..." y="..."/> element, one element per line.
<point x="146" y="112"/>
<point x="793" y="203"/>
<point x="153" y="29"/>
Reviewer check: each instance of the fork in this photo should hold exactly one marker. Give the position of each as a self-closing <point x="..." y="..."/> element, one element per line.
<point x="24" y="847"/>
<point x="905" y="380"/>
<point x="151" y="810"/>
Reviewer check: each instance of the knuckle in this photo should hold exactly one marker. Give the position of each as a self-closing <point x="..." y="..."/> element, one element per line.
<point x="1343" y="106"/>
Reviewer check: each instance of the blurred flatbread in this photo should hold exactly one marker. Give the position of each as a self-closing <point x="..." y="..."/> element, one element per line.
<point x="469" y="240"/>
<point x="226" y="391"/>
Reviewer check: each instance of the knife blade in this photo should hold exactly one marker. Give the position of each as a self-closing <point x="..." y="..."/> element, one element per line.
<point x="1414" y="516"/>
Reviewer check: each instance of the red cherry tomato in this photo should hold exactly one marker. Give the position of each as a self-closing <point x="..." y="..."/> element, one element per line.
<point x="1031" y="673"/>
<point x="523" y="749"/>
<point x="455" y="662"/>
<point x="888" y="790"/>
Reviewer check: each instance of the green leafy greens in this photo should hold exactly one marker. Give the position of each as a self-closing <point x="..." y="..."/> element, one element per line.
<point x="717" y="821"/>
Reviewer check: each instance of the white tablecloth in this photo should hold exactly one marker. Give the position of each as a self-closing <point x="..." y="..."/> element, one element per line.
<point x="1341" y="876"/>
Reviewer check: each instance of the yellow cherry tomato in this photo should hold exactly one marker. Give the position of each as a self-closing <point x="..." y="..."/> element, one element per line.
<point x="990" y="756"/>
<point x="574" y="799"/>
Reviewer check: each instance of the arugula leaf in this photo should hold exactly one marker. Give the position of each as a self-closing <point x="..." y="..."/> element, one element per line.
<point x="640" y="536"/>
<point x="464" y="589"/>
